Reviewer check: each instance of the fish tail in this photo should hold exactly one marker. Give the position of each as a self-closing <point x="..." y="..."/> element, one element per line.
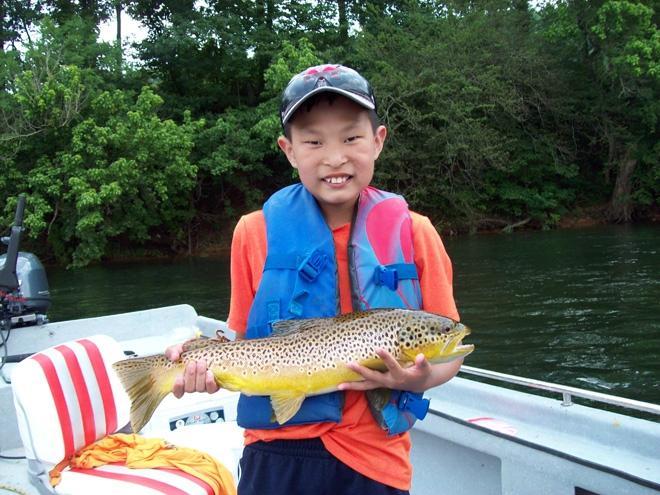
<point x="147" y="381"/>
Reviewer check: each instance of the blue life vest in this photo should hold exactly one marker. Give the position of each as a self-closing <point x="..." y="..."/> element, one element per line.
<point x="300" y="278"/>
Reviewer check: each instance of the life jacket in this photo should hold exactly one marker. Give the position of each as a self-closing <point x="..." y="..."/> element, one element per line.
<point x="300" y="278"/>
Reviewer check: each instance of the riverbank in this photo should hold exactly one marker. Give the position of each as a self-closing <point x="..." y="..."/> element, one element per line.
<point x="215" y="241"/>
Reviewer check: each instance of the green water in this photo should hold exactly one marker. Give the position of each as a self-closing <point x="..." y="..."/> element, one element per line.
<point x="575" y="307"/>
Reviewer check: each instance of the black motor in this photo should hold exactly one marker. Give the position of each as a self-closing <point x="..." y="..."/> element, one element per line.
<point x="24" y="293"/>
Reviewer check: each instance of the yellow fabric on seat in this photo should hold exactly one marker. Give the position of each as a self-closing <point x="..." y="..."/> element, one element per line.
<point x="137" y="452"/>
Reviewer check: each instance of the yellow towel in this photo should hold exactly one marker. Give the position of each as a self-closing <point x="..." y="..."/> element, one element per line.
<point x="139" y="452"/>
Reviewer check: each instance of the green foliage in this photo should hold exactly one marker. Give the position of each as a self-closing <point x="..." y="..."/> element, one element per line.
<point x="292" y="59"/>
<point x="458" y="96"/>
<point x="629" y="37"/>
<point x="42" y="92"/>
<point x="126" y="172"/>
<point x="239" y="159"/>
<point x="615" y="68"/>
<point x="498" y="112"/>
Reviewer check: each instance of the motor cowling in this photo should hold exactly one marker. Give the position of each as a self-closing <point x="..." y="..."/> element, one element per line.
<point x="24" y="292"/>
<point x="33" y="291"/>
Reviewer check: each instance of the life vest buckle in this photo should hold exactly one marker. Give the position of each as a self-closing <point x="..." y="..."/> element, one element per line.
<point x="389" y="277"/>
<point x="415" y="403"/>
<point x="311" y="266"/>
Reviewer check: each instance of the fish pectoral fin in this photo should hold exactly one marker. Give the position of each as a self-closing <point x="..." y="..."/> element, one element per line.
<point x="410" y="355"/>
<point x="286" y="406"/>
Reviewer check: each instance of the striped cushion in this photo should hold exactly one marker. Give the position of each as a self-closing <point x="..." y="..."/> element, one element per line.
<point x="67" y="397"/>
<point x="133" y="481"/>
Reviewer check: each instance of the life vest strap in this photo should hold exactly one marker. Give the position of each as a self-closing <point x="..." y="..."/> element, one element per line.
<point x="308" y="267"/>
<point x="389" y="275"/>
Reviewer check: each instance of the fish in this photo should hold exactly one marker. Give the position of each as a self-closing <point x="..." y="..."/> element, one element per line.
<point x="301" y="358"/>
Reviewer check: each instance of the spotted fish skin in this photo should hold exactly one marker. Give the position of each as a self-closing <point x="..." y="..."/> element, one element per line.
<point x="302" y="358"/>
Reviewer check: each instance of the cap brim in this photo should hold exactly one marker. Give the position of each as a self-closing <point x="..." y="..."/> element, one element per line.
<point x="360" y="100"/>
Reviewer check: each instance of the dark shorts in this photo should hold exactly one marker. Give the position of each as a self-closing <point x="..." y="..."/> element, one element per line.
<point x="290" y="467"/>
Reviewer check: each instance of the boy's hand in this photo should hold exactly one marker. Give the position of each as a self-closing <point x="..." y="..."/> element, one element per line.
<point x="415" y="378"/>
<point x="195" y="378"/>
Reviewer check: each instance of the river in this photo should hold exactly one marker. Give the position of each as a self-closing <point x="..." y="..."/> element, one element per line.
<point x="577" y="307"/>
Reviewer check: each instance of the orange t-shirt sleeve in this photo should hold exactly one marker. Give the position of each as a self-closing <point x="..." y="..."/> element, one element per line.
<point x="433" y="267"/>
<point x="248" y="255"/>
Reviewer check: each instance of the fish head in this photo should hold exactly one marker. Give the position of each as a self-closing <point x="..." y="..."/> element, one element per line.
<point x="439" y="338"/>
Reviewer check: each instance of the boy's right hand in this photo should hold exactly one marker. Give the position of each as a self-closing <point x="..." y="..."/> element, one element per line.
<point x="195" y="378"/>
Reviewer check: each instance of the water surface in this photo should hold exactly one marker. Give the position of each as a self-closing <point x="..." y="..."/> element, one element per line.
<point x="578" y="307"/>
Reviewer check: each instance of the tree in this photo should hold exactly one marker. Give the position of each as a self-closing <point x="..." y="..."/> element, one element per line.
<point x="628" y="58"/>
<point x="126" y="172"/>
<point x="17" y="17"/>
<point x="239" y="161"/>
<point x="610" y="53"/>
<point x="459" y="87"/>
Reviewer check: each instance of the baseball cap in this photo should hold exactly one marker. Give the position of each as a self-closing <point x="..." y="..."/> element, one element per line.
<point x="325" y="78"/>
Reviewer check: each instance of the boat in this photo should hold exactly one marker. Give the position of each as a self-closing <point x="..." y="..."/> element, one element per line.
<point x="485" y="432"/>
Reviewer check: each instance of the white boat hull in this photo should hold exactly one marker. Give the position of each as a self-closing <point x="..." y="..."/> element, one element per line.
<point x="537" y="447"/>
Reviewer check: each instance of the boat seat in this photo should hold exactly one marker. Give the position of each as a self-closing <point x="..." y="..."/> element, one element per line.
<point x="67" y="397"/>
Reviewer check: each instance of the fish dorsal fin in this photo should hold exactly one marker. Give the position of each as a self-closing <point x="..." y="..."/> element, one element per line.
<point x="286" y="327"/>
<point x="285" y="406"/>
<point x="199" y="343"/>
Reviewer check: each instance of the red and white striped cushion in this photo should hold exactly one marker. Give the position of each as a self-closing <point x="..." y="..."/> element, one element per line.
<point x="133" y="481"/>
<point x="67" y="397"/>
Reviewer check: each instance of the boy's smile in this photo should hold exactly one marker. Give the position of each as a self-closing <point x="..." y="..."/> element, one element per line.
<point x="333" y="146"/>
<point x="337" y="180"/>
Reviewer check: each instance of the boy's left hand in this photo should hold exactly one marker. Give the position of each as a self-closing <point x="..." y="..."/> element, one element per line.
<point x="414" y="378"/>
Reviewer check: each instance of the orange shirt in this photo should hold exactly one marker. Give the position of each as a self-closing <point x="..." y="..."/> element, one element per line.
<point x="356" y="440"/>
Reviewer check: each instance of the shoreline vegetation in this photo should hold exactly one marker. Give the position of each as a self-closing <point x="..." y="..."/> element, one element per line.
<point x="217" y="243"/>
<point x="502" y="115"/>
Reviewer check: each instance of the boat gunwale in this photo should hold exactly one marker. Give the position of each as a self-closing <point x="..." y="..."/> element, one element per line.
<point x="567" y="391"/>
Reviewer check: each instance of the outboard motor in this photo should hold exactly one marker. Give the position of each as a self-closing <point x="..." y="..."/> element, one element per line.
<point x="24" y="293"/>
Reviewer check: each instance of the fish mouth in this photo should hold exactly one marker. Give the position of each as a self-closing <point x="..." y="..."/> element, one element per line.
<point x="457" y="346"/>
<point x="454" y="348"/>
<point x="463" y="330"/>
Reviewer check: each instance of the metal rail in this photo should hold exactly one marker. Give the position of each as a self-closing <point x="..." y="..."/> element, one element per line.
<point x="566" y="391"/>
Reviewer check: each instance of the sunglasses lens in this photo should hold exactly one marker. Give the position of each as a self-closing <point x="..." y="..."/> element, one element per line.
<point x="352" y="81"/>
<point x="329" y="75"/>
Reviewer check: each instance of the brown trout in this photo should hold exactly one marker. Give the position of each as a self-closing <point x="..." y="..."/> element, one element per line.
<point x="301" y="358"/>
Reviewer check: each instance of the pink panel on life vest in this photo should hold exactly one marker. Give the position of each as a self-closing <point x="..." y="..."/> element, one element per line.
<point x="381" y="232"/>
<point x="406" y="240"/>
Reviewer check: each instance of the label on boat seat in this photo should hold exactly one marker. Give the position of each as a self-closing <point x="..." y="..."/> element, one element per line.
<point x="198" y="417"/>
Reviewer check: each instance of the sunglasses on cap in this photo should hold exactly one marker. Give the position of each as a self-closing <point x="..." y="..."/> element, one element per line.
<point x="325" y="78"/>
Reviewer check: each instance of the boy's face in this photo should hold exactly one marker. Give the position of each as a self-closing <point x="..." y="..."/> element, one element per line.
<point x="334" y="147"/>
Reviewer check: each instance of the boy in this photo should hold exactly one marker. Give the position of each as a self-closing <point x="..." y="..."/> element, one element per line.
<point x="332" y="137"/>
